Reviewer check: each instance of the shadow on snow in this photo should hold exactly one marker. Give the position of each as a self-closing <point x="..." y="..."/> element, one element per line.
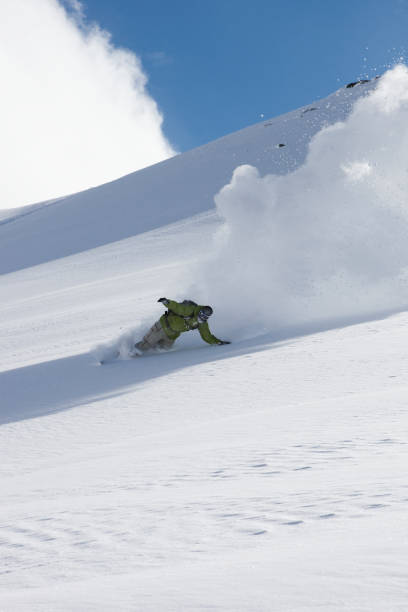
<point x="52" y="386"/>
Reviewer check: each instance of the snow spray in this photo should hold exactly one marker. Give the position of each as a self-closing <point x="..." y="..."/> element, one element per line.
<point x="326" y="241"/>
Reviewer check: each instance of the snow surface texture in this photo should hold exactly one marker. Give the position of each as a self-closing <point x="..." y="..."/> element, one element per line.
<point x="263" y="475"/>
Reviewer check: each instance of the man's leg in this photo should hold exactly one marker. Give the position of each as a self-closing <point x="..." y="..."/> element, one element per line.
<point x="156" y="337"/>
<point x="166" y="343"/>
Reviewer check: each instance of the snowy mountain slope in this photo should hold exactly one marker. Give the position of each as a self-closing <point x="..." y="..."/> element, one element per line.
<point x="177" y="188"/>
<point x="264" y="475"/>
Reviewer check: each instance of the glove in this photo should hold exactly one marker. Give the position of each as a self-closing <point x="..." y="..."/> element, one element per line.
<point x="220" y="342"/>
<point x="164" y="301"/>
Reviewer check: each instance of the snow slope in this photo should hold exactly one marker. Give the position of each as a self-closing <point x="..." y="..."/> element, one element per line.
<point x="264" y="475"/>
<point x="177" y="188"/>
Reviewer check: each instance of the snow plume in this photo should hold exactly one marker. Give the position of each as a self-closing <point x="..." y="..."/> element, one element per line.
<point x="327" y="241"/>
<point x="74" y="110"/>
<point x="122" y="346"/>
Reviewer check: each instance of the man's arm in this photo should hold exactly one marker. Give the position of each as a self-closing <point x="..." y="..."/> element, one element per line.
<point x="184" y="310"/>
<point x="207" y="336"/>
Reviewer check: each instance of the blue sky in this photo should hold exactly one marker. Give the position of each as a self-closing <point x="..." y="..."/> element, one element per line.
<point x="215" y="66"/>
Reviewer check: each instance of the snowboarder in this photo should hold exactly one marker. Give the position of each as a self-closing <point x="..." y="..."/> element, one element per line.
<point x="179" y="318"/>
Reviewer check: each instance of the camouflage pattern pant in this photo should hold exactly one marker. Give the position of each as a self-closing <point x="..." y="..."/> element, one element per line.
<point x="156" y="338"/>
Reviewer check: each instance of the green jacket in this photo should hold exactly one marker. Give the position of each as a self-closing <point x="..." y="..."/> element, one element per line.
<point x="182" y="318"/>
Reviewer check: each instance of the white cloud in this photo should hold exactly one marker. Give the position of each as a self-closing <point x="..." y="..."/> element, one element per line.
<point x="74" y="110"/>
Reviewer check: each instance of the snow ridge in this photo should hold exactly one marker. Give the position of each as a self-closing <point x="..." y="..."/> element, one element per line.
<point x="175" y="189"/>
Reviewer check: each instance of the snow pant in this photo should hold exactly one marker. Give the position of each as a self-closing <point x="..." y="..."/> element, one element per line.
<point x="156" y="338"/>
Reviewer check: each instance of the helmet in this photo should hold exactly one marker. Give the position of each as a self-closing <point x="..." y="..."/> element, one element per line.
<point x="204" y="313"/>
